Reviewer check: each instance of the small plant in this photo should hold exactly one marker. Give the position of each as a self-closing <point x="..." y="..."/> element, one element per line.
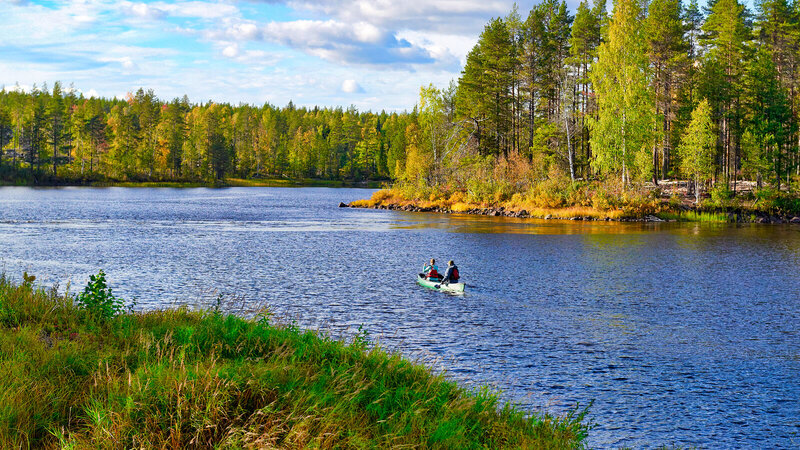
<point x="98" y="299"/>
<point x="263" y="317"/>
<point x="675" y="202"/>
<point x="361" y="339"/>
<point x="27" y="280"/>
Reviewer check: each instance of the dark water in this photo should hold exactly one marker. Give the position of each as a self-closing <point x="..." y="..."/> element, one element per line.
<point x="680" y="333"/>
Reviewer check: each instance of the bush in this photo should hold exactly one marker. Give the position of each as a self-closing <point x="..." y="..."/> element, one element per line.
<point x="721" y="196"/>
<point x="603" y="200"/>
<point x="675" y="202"/>
<point x="550" y="193"/>
<point x="98" y="299"/>
<point x="774" y="201"/>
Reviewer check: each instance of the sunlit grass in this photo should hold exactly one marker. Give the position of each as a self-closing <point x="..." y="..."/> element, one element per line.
<point x="694" y="216"/>
<point x="385" y="197"/>
<point x="635" y="205"/>
<point x="179" y="378"/>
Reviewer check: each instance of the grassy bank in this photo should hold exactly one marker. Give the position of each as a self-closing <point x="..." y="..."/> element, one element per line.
<point x="75" y="375"/>
<point x="596" y="201"/>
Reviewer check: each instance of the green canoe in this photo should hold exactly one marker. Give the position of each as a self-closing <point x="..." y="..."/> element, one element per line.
<point x="454" y="288"/>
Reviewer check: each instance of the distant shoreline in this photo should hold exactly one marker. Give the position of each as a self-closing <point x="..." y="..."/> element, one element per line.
<point x="228" y="182"/>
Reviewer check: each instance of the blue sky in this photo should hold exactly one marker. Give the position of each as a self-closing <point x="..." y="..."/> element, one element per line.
<point x="371" y="54"/>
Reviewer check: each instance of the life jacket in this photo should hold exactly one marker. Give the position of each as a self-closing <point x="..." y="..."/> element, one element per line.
<point x="434" y="274"/>
<point x="455" y="275"/>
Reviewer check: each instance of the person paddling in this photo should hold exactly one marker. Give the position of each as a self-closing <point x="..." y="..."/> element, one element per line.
<point x="431" y="271"/>
<point x="451" y="274"/>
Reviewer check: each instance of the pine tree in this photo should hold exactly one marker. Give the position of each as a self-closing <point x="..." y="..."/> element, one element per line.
<point x="726" y="34"/>
<point x="6" y="131"/>
<point x="778" y="30"/>
<point x="56" y="128"/>
<point x="584" y="39"/>
<point x="486" y="87"/>
<point x="667" y="50"/>
<point x="768" y="118"/>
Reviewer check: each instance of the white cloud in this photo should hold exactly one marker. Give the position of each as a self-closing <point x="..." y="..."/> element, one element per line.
<point x="231" y="51"/>
<point x="199" y="9"/>
<point x="344" y="43"/>
<point x="351" y="87"/>
<point x="450" y="16"/>
<point x="143" y="10"/>
<point x="244" y="31"/>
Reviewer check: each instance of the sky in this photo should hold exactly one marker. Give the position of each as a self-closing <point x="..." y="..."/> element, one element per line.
<point x="373" y="54"/>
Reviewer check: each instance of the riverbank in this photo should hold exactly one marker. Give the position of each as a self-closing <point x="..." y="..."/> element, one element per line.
<point x="77" y="376"/>
<point x="646" y="205"/>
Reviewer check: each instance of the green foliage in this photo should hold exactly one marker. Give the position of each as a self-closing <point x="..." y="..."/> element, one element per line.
<point x="180" y="378"/>
<point x="98" y="299"/>
<point x="143" y="138"/>
<point x="721" y="194"/>
<point x="622" y="132"/>
<point x="697" y="147"/>
<point x="773" y="201"/>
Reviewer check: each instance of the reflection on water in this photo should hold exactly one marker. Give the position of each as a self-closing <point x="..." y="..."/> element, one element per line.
<point x="680" y="333"/>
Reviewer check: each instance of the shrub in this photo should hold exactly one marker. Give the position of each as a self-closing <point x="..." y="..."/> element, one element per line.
<point x="774" y="201"/>
<point x="603" y="200"/>
<point x="675" y="201"/>
<point x="98" y="299"/>
<point x="549" y="193"/>
<point x="721" y="196"/>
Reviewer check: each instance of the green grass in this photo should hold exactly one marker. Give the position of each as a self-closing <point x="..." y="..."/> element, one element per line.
<point x="694" y="216"/>
<point x="179" y="378"/>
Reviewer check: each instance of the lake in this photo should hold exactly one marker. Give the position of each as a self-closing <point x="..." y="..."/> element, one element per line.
<point x="684" y="334"/>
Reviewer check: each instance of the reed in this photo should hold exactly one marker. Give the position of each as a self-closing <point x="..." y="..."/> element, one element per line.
<point x="183" y="378"/>
<point x="695" y="216"/>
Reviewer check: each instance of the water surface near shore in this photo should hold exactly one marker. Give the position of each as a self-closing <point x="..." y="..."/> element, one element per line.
<point x="680" y="333"/>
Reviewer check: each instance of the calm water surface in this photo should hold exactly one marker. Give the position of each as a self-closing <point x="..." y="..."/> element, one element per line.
<point x="680" y="333"/>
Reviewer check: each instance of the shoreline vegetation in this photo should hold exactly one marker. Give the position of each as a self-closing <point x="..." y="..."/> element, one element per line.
<point x="596" y="201"/>
<point x="87" y="371"/>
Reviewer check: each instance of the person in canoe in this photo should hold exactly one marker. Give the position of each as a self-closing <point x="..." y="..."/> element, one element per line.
<point x="430" y="271"/>
<point x="451" y="274"/>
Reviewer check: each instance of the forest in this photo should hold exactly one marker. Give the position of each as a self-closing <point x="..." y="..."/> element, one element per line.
<point x="551" y="109"/>
<point x="52" y="135"/>
<point x="556" y="109"/>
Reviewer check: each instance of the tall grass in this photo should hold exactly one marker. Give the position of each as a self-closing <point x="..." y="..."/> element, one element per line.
<point x="695" y="216"/>
<point x="180" y="378"/>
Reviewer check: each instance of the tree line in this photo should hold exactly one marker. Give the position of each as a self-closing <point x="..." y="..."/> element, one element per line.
<point x="61" y="135"/>
<point x="658" y="89"/>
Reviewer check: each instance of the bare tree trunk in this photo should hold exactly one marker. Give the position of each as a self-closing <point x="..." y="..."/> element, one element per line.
<point x="570" y="155"/>
<point x="696" y="190"/>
